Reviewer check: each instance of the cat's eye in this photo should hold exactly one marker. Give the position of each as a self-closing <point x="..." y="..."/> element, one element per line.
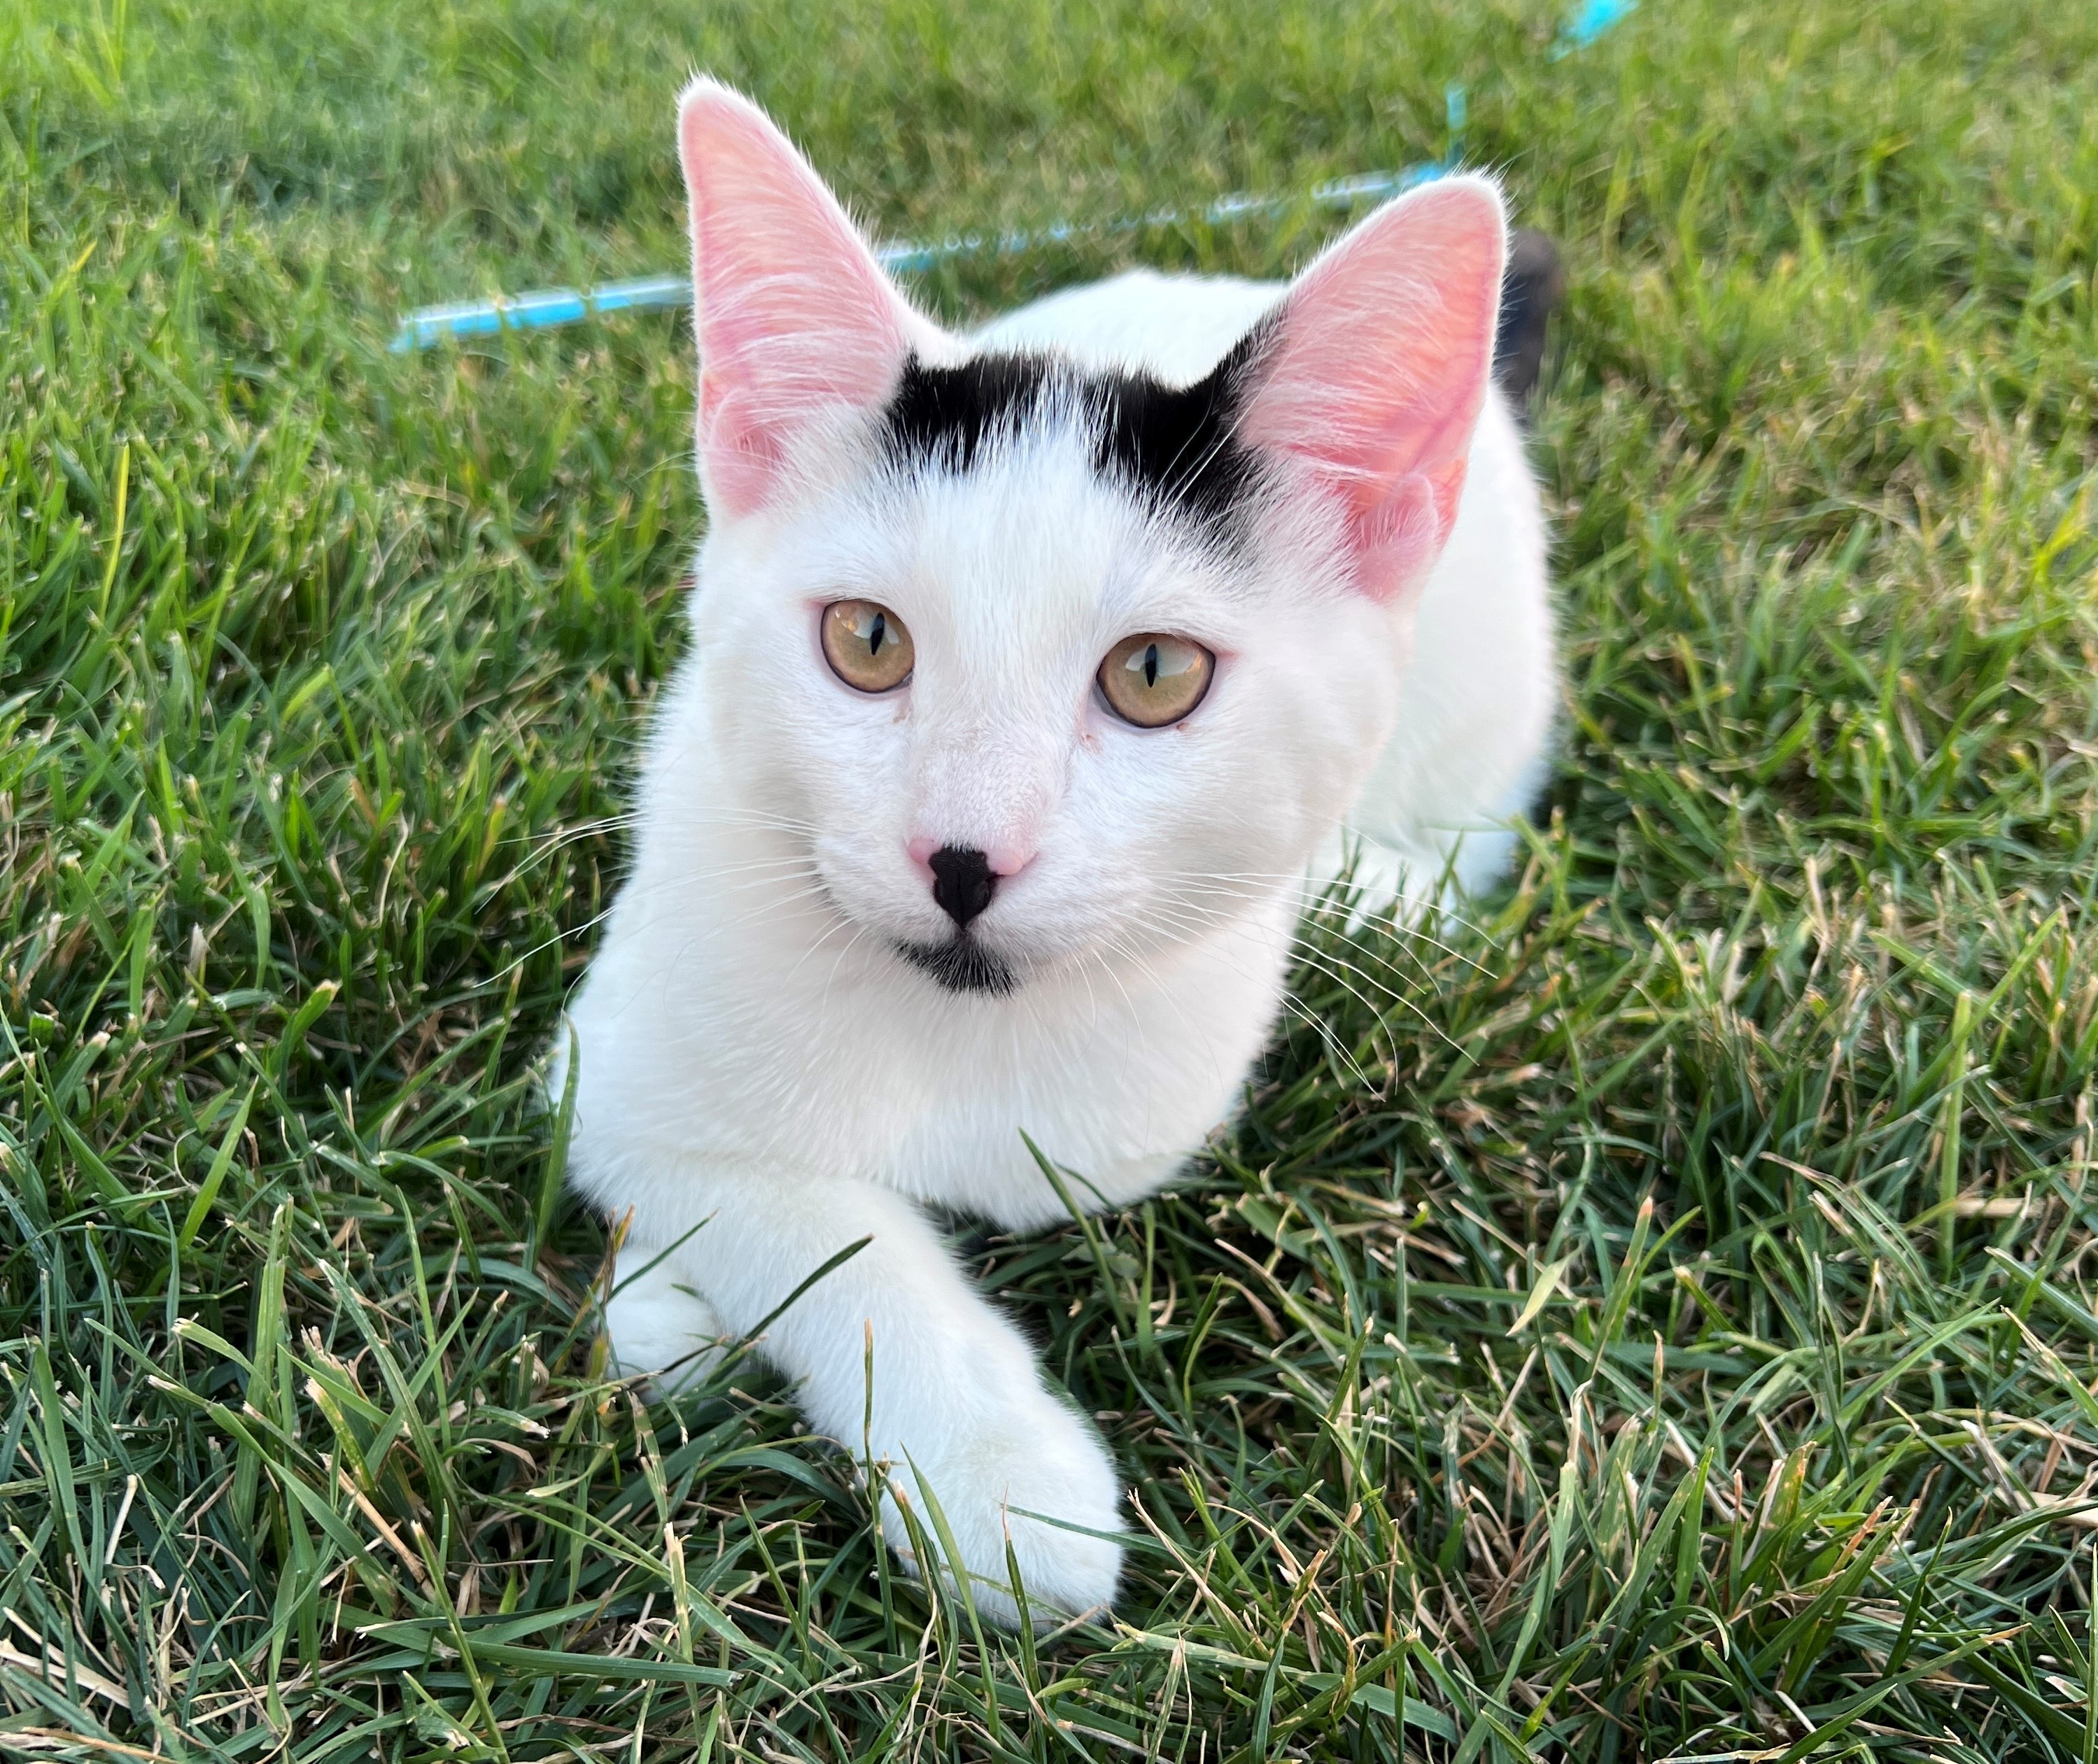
<point x="867" y="645"/>
<point x="1152" y="679"/>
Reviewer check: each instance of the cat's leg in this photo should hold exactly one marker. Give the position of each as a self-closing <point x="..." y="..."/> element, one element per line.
<point x="658" y="1323"/>
<point x="956" y="1405"/>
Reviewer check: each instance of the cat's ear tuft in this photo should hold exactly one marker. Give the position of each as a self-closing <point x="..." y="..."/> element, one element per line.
<point x="1370" y="373"/>
<point x="796" y="320"/>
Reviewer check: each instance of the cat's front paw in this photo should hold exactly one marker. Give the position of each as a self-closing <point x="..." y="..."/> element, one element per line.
<point x="1015" y="1471"/>
<point x="659" y="1327"/>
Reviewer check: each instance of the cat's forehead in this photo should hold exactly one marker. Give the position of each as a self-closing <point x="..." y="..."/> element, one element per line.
<point x="1014" y="500"/>
<point x="1024" y="484"/>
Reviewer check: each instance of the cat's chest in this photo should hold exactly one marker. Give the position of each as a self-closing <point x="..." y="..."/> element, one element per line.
<point x="941" y="1098"/>
<point x="859" y="1067"/>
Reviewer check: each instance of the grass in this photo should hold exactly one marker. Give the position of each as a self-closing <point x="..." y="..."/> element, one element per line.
<point x="1662" y="1323"/>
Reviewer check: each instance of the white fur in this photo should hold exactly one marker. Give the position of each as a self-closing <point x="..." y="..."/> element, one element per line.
<point x="1470" y="742"/>
<point x="763" y="1081"/>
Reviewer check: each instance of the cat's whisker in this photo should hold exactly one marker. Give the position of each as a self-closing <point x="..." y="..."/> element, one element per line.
<point x="1313" y="898"/>
<point x="575" y="830"/>
<point x="1191" y="920"/>
<point x="774" y="901"/>
<point x="735" y="814"/>
<point x="1310" y="925"/>
<point x="806" y="865"/>
<point x="1115" y="945"/>
<point x="1324" y="1030"/>
<point x="1330" y="1038"/>
<point x="823" y="1008"/>
<point x="1286" y="1002"/>
<point x="546" y="846"/>
<point x="558" y="938"/>
<point x="1338" y="972"/>
<point x="708" y="934"/>
<point x="1086" y="957"/>
<point x="1313" y="893"/>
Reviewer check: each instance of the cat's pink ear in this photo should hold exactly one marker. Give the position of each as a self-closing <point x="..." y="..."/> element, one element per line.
<point x="1374" y="370"/>
<point x="795" y="319"/>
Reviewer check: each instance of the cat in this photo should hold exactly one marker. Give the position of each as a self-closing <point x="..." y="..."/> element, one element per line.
<point x="1034" y="678"/>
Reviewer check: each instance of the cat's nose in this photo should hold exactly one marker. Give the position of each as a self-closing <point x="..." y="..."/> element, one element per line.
<point x="963" y="882"/>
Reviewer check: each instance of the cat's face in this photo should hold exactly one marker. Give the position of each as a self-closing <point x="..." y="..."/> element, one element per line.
<point x="1044" y="670"/>
<point x="1109" y="826"/>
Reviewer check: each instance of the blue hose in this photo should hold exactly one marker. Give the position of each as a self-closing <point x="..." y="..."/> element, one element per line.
<point x="542" y="307"/>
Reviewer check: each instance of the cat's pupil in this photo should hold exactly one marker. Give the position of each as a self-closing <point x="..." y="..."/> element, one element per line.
<point x="875" y="636"/>
<point x="1151" y="664"/>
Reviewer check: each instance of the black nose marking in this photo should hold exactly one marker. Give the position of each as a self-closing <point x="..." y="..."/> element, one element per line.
<point x="962" y="882"/>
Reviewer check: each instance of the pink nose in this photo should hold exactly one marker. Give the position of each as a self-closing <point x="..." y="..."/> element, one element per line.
<point x="1007" y="857"/>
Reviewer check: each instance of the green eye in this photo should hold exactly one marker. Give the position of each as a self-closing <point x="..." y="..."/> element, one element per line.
<point x="867" y="645"/>
<point x="1152" y="679"/>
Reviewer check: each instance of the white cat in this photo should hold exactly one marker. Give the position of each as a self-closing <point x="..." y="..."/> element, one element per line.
<point x="1031" y="676"/>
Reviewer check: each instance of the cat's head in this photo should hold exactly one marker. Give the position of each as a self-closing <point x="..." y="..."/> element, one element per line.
<point x="1048" y="669"/>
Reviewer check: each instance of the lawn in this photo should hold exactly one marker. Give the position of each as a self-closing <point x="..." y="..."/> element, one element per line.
<point x="1656" y="1318"/>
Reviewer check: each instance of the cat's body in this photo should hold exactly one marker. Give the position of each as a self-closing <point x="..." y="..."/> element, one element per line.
<point x="793" y="1037"/>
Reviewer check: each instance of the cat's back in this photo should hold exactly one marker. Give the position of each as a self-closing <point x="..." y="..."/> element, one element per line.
<point x="1179" y="327"/>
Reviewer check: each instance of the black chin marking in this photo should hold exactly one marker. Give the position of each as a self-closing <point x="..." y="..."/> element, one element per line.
<point x="1176" y="446"/>
<point x="961" y="966"/>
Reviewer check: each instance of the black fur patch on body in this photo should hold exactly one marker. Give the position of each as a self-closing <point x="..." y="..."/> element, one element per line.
<point x="1176" y="446"/>
<point x="1532" y="286"/>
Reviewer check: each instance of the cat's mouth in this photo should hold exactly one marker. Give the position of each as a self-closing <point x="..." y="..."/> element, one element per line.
<point x="961" y="965"/>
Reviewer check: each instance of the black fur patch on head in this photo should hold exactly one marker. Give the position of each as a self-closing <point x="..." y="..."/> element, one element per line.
<point x="1180" y="445"/>
<point x="941" y="416"/>
<point x="961" y="966"/>
<point x="1174" y="445"/>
